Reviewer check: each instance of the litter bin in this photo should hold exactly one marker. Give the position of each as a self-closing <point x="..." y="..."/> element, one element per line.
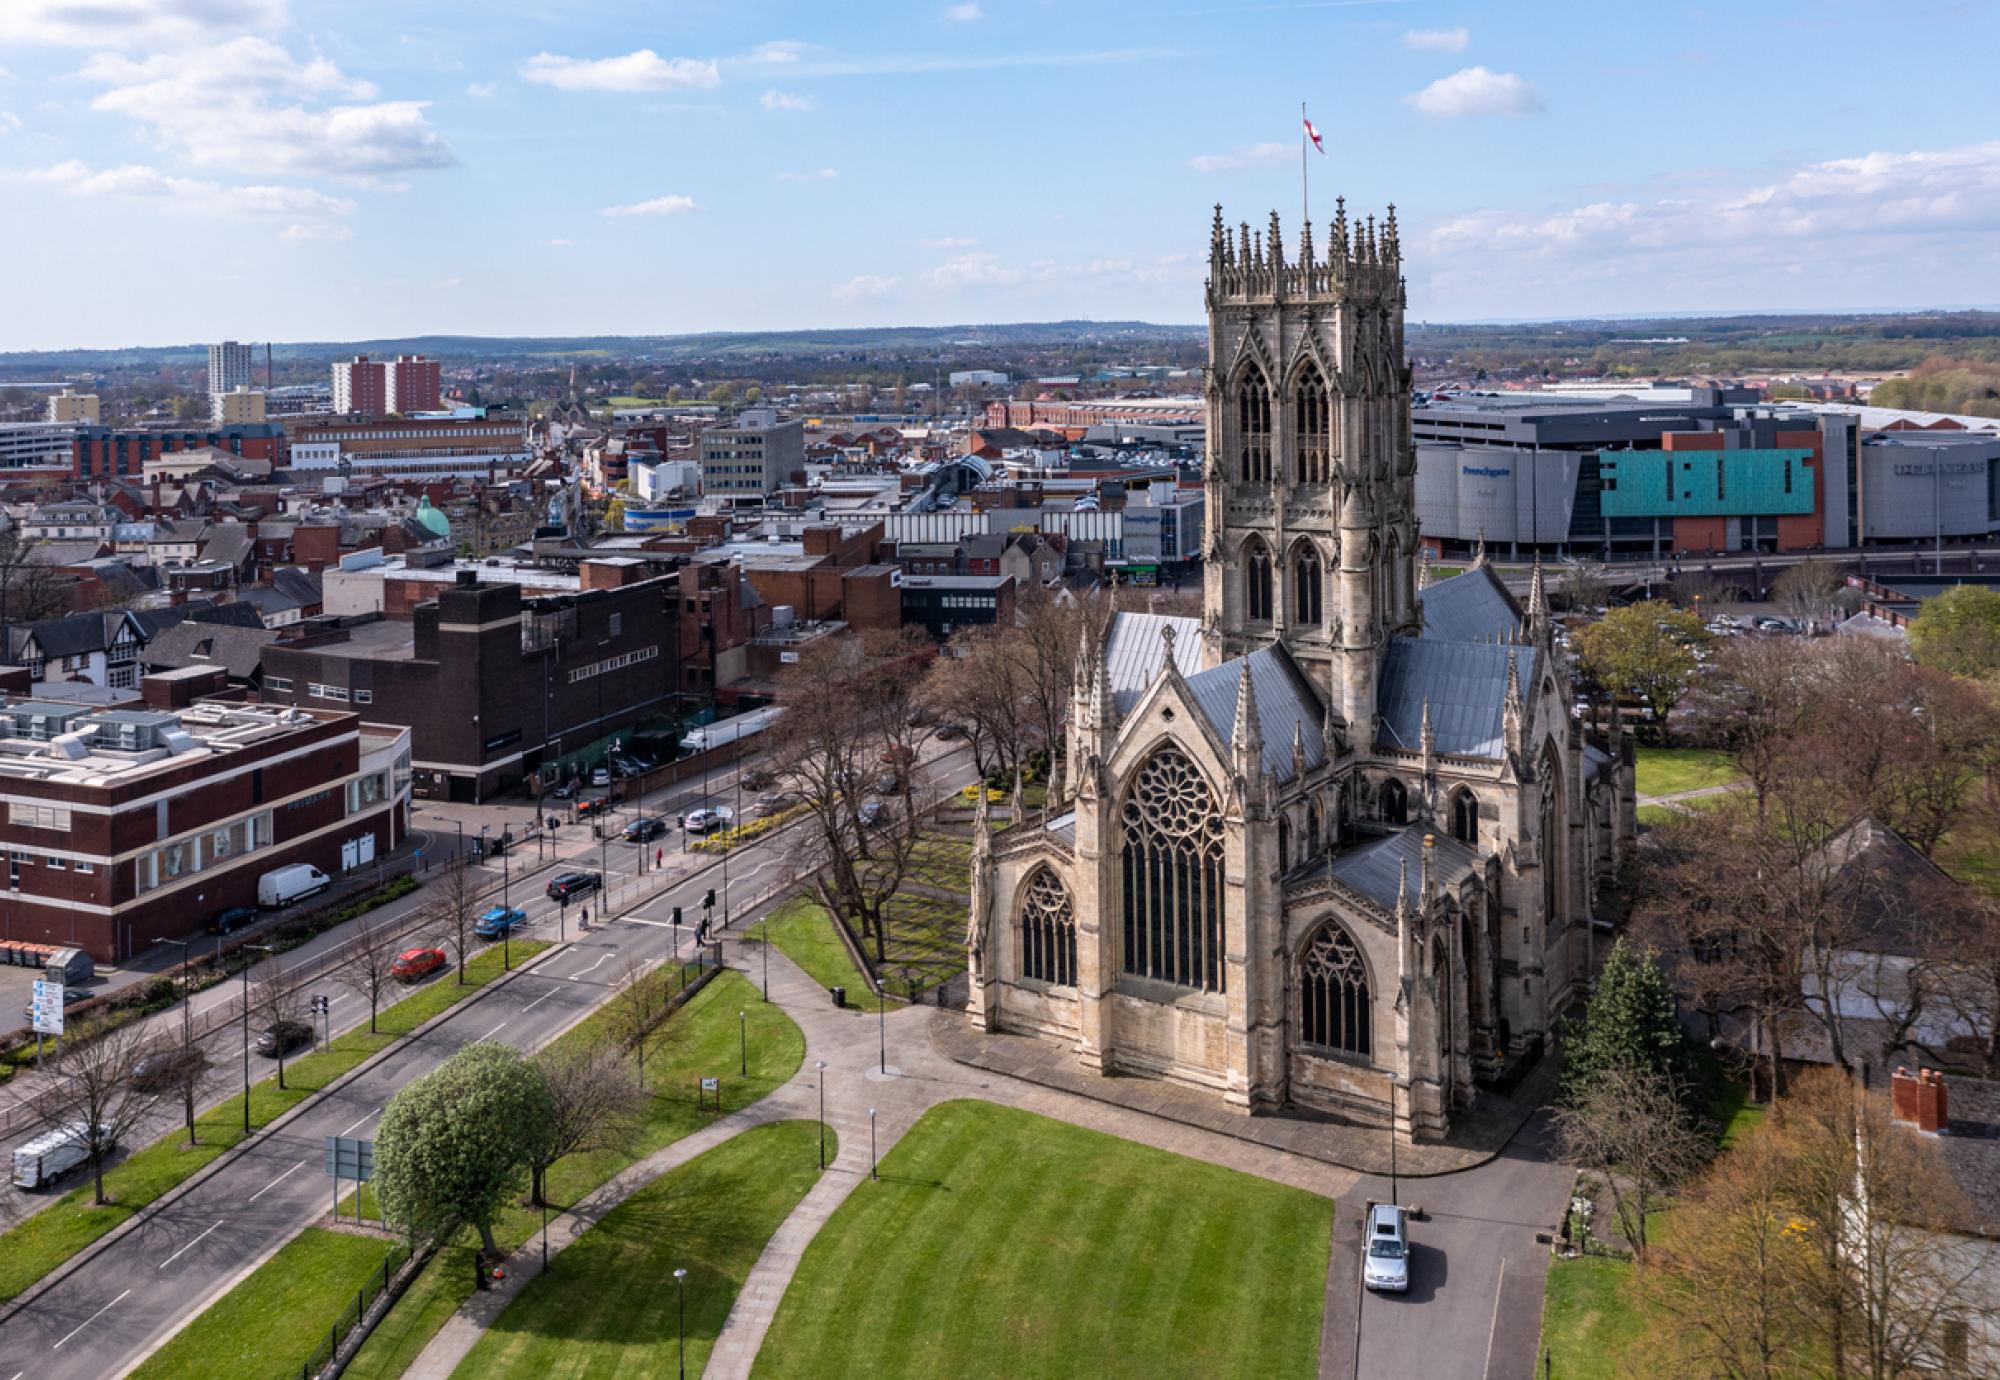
<point x="839" y="995"/>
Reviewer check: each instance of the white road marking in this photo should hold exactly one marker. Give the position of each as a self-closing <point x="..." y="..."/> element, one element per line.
<point x="91" y="1319"/>
<point x="539" y="1000"/>
<point x="580" y="972"/>
<point x="185" y="1249"/>
<point x="659" y="924"/>
<point x="275" y="1182"/>
<point x="487" y="1036"/>
<point x="377" y="1112"/>
<point x="1493" y="1327"/>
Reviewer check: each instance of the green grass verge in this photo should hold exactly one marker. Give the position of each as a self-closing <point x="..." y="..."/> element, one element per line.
<point x="52" y="1236"/>
<point x="607" y="1305"/>
<point x="1665" y="771"/>
<point x="803" y="932"/>
<point x="1142" y="1263"/>
<point x="260" y="1328"/>
<point x="700" y="1038"/>
<point x="1589" y="1329"/>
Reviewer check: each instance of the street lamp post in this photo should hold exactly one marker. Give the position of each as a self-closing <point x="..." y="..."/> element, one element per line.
<point x="258" y="948"/>
<point x="767" y="957"/>
<point x="882" y="1023"/>
<point x="680" y="1294"/>
<point x="743" y="1042"/>
<point x="819" y="1064"/>
<point x="871" y="1146"/>
<point x="187" y="995"/>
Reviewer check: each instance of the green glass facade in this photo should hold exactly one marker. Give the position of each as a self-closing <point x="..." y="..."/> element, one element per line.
<point x="1705" y="483"/>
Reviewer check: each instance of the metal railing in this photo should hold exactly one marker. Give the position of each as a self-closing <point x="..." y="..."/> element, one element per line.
<point x="365" y="1297"/>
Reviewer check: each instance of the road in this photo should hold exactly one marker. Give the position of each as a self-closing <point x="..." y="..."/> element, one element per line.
<point x="150" y="1282"/>
<point x="1474" y="1307"/>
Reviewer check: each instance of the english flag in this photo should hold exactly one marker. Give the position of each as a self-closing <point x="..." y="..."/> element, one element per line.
<point x="1313" y="134"/>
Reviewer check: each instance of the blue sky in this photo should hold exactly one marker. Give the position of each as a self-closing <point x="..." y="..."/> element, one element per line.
<point x="177" y="170"/>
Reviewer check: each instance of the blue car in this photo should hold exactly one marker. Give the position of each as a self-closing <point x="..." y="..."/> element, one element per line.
<point x="498" y="921"/>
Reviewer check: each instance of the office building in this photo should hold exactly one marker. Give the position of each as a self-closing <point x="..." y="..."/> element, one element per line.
<point x="68" y="406"/>
<point x="451" y="447"/>
<point x="239" y="407"/>
<point x="103" y="452"/>
<point x="753" y="456"/>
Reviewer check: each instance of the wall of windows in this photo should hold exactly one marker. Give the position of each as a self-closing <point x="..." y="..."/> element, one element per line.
<point x="197" y="852"/>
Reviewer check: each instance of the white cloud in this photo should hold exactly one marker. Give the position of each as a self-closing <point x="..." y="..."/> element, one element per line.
<point x="948" y="242"/>
<point x="777" y="51"/>
<point x="557" y="243"/>
<point x="1243" y="156"/>
<point x="295" y="234"/>
<point x="315" y="214"/>
<point x="1438" y="40"/>
<point x="241" y="105"/>
<point x="9" y="122"/>
<point x="447" y="282"/>
<point x="658" y="206"/>
<point x="865" y="286"/>
<point x="965" y="12"/>
<point x="147" y="24"/>
<point x="644" y="70"/>
<point x="1909" y="220"/>
<point x="817" y="175"/>
<point x="1476" y="91"/>
<point x="483" y="90"/>
<point x="785" y="100"/>
<point x="974" y="270"/>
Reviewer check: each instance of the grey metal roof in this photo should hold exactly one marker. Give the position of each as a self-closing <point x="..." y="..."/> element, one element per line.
<point x="1466" y="685"/>
<point x="1376" y="869"/>
<point x="1134" y="651"/>
<point x="1063" y="826"/>
<point x="1470" y="607"/>
<point x="1284" y="701"/>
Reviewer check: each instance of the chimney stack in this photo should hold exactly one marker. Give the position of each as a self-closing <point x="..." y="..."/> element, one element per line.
<point x="1919" y="1100"/>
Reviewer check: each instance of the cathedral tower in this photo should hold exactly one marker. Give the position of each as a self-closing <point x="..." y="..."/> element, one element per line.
<point x="1311" y="512"/>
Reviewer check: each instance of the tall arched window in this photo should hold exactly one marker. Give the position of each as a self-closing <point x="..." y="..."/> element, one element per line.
<point x="1465" y="817"/>
<point x="1315" y="828"/>
<point x="1394" y="801"/>
<point x="1253" y="428"/>
<point x="1308" y="588"/>
<point x="1172" y="872"/>
<point x="1284" y="844"/>
<point x="1551" y="840"/>
<point x="1313" y="414"/>
<point x="1333" y="993"/>
<point x="1257" y="581"/>
<point x="1048" y="930"/>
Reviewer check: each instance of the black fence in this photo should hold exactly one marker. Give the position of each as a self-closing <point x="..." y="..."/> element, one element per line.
<point x="357" y="1308"/>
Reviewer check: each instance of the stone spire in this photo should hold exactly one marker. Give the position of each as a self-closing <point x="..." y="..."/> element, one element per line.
<point x="1298" y="749"/>
<point x="1339" y="247"/>
<point x="1243" y="258"/>
<point x="1392" y="247"/>
<point x="1246" y="739"/>
<point x="1537" y="616"/>
<point x="1218" y="240"/>
<point x="1426" y="876"/>
<point x="1276" y="244"/>
<point x="1479" y="552"/>
<point x="1305" y="244"/>
<point x="1424" y="572"/>
<point x="1169" y="664"/>
<point x="1427" y="739"/>
<point x="1513" y="715"/>
<point x="1406" y="948"/>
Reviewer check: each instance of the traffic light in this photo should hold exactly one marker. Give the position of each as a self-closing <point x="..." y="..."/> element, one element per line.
<point x="677" y="915"/>
<point x="709" y="900"/>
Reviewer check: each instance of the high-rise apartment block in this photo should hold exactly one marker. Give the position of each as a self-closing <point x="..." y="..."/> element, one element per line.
<point x="229" y="367"/>
<point x="68" y="406"/>
<point x="365" y="387"/>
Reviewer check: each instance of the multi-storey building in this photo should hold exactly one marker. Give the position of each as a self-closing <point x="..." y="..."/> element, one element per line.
<point x="69" y="406"/>
<point x="36" y="452"/>
<point x="473" y="447"/>
<point x="239" y="407"/>
<point x="230" y="367"/>
<point x="364" y="387"/>
<point x="103" y="452"/>
<point x="411" y="385"/>
<point x="752" y="457"/>
<point x="122" y="827"/>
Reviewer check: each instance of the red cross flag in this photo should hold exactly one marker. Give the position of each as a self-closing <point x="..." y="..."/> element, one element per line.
<point x="1312" y="134"/>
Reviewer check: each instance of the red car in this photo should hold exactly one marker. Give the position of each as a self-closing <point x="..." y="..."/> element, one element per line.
<point x="412" y="964"/>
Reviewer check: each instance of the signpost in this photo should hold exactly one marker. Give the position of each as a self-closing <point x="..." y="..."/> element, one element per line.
<point x="709" y="1085"/>
<point x="45" y="1012"/>
<point x="347" y="1158"/>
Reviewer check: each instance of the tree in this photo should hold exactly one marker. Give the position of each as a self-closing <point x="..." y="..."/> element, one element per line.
<point x="597" y="1102"/>
<point x="1645" y="652"/>
<point x="614" y="515"/>
<point x="979" y="684"/>
<point x="638" y="1007"/>
<point x="1630" y="1023"/>
<point x="1631" y="1125"/>
<point x="1584" y="584"/>
<point x="29" y="590"/>
<point x="458" y="1143"/>
<point x="92" y="1086"/>
<point x="1807" y="591"/>
<point x="457" y="910"/>
<point x="278" y="1002"/>
<point x="373" y="968"/>
<point x="1959" y="631"/>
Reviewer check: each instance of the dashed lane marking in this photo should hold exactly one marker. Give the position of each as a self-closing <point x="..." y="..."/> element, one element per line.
<point x="185" y="1249"/>
<point x="89" y="1320"/>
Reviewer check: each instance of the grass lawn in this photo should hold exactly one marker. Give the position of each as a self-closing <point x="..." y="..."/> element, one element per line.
<point x="1590" y="1331"/>
<point x="1003" y="1242"/>
<point x="607" y="1304"/>
<point x="942" y="860"/>
<point x="700" y="1038"/>
<point x="259" y="1327"/>
<point x="926" y="941"/>
<point x="50" y="1237"/>
<point x="803" y="932"/>
<point x="1665" y="771"/>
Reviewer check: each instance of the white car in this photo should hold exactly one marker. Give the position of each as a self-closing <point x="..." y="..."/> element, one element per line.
<point x="707" y="820"/>
<point x="1385" y="1262"/>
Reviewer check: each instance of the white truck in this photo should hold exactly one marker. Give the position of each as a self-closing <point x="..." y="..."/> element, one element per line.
<point x="284" y="885"/>
<point x="50" y="1155"/>
<point x="731" y="730"/>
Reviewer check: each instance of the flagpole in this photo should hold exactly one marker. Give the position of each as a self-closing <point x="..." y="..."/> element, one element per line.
<point x="1305" y="200"/>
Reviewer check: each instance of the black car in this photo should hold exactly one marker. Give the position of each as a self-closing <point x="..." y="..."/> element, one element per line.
<point x="167" y="1068"/>
<point x="644" y="830"/>
<point x="233" y="919"/>
<point x="757" y="779"/>
<point x="282" y="1037"/>
<point x="565" y="791"/>
<point x="946" y="732"/>
<point x="572" y="885"/>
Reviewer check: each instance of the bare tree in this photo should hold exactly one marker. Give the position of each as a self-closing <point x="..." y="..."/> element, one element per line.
<point x="977" y="683"/>
<point x="279" y="1003"/>
<point x="373" y="968"/>
<point x="1632" y="1127"/>
<point x="1584" y="584"/>
<point x="1808" y="591"/>
<point x="638" y="1007"/>
<point x="456" y="910"/>
<point x="597" y="1104"/>
<point x="93" y="1089"/>
<point x="29" y="589"/>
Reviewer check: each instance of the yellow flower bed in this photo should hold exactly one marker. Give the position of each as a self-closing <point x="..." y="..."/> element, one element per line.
<point x="743" y="833"/>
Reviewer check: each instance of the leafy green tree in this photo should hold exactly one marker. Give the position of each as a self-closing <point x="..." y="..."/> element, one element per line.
<point x="1959" y="631"/>
<point x="614" y="516"/>
<point x="1629" y="1025"/>
<point x="456" y="1144"/>
<point x="1645" y="651"/>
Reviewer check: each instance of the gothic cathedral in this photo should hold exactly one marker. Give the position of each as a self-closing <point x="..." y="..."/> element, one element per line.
<point x="1334" y="845"/>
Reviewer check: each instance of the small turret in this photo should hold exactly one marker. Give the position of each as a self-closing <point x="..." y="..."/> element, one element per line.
<point x="1246" y="739"/>
<point x="1392" y="246"/>
<point x="1339" y="247"/>
<point x="1427" y="739"/>
<point x="1276" y="242"/>
<point x="1298" y="750"/>
<point x="1305" y="244"/>
<point x="1513" y="715"/>
<point x="1427" y="875"/>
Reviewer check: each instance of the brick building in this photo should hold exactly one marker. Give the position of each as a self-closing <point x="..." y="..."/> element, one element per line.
<point x="104" y="452"/>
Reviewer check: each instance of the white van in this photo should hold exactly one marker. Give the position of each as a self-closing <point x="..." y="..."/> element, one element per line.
<point x="289" y="884"/>
<point x="50" y="1155"/>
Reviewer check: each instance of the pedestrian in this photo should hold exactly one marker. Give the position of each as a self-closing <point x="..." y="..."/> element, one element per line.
<point x="659" y="856"/>
<point x="586" y="918"/>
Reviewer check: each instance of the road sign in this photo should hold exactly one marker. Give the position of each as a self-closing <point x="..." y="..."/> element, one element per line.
<point x="347" y="1158"/>
<point x="45" y="1008"/>
<point x="709" y="1085"/>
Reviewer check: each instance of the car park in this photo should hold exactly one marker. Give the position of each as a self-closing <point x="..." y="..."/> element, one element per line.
<point x="232" y="919"/>
<point x="573" y="886"/>
<point x="282" y="1037"/>
<point x="412" y="964"/>
<point x="1385" y="1261"/>
<point x="498" y="921"/>
<point x="644" y="829"/>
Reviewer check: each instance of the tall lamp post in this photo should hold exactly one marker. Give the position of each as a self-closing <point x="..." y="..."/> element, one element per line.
<point x="187" y="996"/>
<point x="681" y="1300"/>
<point x="819" y="1064"/>
<point x="262" y="949"/>
<point x="743" y="1042"/>
<point x="882" y="1022"/>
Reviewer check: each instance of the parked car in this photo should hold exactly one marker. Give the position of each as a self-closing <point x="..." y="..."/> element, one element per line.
<point x="231" y="919"/>
<point x="573" y="886"/>
<point x="600" y="776"/>
<point x="707" y="819"/>
<point x="872" y="813"/>
<point x="412" y="964"/>
<point x="888" y="783"/>
<point x="164" y="1069"/>
<point x="644" y="829"/>
<point x="897" y="755"/>
<point x="282" y="1037"/>
<point x="498" y="921"/>
<point x="947" y="731"/>
<point x="565" y="791"/>
<point x="758" y="779"/>
<point x="1387" y="1262"/>
<point x="776" y="803"/>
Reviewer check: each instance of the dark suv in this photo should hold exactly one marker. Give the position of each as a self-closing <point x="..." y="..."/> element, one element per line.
<point x="572" y="885"/>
